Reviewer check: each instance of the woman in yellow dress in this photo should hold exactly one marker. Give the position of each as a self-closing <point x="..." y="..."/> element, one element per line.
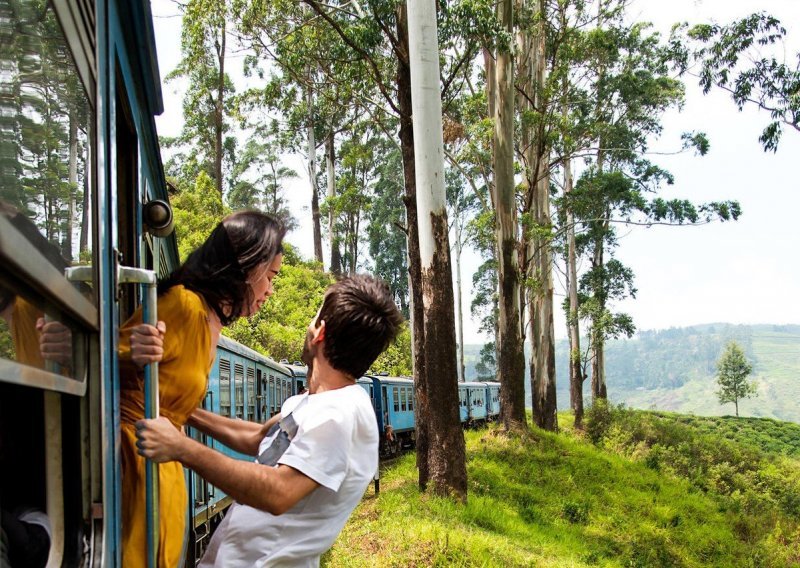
<point x="227" y="277"/>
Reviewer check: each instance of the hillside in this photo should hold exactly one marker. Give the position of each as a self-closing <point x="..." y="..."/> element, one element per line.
<point x="652" y="491"/>
<point x="674" y="369"/>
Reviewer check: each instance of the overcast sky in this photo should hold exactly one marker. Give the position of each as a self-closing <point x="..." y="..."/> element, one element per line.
<point x="737" y="272"/>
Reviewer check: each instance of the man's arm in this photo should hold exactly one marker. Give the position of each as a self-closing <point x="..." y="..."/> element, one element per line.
<point x="274" y="490"/>
<point x="239" y="435"/>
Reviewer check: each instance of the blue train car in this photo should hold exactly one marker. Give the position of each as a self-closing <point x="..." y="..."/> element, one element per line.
<point x="476" y="402"/>
<point x="394" y="404"/>
<point x="463" y="403"/>
<point x="492" y="400"/>
<point x="299" y="373"/>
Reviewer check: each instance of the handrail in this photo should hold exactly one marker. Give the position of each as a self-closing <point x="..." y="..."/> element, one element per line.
<point x="147" y="278"/>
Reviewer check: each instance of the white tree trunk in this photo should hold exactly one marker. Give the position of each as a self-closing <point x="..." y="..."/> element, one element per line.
<point x="446" y="452"/>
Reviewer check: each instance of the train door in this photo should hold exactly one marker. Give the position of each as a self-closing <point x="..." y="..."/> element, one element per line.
<point x="50" y="407"/>
<point x="251" y="393"/>
<point x="261" y="397"/>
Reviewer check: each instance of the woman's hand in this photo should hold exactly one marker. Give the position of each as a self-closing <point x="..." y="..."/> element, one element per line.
<point x="55" y="341"/>
<point x="147" y="343"/>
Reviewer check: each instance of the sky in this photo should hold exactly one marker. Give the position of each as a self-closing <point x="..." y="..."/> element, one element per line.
<point x="742" y="272"/>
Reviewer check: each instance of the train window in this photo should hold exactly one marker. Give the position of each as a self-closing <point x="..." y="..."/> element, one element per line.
<point x="411" y="399"/>
<point x="251" y="393"/>
<point x="396" y="398"/>
<point x="403" y="405"/>
<point x="224" y="387"/>
<point x="238" y="389"/>
<point x="45" y="149"/>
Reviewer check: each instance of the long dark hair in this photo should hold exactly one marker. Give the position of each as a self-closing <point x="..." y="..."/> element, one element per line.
<point x="218" y="269"/>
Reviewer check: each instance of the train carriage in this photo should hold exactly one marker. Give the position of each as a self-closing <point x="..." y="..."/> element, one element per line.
<point x="492" y="400"/>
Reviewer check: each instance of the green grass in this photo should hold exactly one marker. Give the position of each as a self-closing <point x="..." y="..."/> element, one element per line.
<point x="558" y="500"/>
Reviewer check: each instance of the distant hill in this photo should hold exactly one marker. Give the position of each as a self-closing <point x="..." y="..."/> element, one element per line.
<point x="674" y="369"/>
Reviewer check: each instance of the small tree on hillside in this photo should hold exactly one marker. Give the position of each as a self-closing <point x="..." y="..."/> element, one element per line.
<point x="732" y="372"/>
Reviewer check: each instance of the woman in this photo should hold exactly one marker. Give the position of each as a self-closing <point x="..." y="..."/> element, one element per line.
<point x="227" y="277"/>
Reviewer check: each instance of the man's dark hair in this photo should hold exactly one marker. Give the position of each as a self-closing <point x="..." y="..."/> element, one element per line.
<point x="361" y="320"/>
<point x="219" y="268"/>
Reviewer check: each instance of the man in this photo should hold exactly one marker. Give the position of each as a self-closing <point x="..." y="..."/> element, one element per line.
<point x="288" y="514"/>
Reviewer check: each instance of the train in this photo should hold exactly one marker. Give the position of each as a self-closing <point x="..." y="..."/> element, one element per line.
<point x="83" y="197"/>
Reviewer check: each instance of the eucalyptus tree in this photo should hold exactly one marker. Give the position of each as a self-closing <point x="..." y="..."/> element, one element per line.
<point x="313" y="82"/>
<point x="632" y="86"/>
<point x="257" y="181"/>
<point x="735" y="58"/>
<point x="377" y="37"/>
<point x="446" y="450"/>
<point x="511" y="357"/>
<point x="208" y="104"/>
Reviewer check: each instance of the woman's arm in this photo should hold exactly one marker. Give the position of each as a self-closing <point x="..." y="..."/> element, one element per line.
<point x="239" y="435"/>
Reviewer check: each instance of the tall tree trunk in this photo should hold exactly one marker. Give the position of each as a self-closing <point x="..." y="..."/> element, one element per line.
<point x="330" y="161"/>
<point x="459" y="299"/>
<point x="543" y="334"/>
<point x="446" y="451"/>
<point x="511" y="361"/>
<point x="86" y="204"/>
<point x="576" y="376"/>
<point x="220" y="109"/>
<point x="312" y="176"/>
<point x="66" y="249"/>
<point x="422" y="415"/>
<point x="598" y="340"/>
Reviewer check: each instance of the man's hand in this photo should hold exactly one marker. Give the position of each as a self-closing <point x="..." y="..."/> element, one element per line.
<point x="147" y="344"/>
<point x="159" y="440"/>
<point x="55" y="341"/>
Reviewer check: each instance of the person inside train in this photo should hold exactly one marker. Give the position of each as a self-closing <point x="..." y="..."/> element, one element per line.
<point x="24" y="319"/>
<point x="229" y="276"/>
<point x="314" y="460"/>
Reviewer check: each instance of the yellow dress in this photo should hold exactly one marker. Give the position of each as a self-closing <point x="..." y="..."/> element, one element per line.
<point x="183" y="378"/>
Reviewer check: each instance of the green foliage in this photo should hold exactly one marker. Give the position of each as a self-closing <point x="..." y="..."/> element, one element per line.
<point x="732" y="372"/>
<point x="553" y="500"/>
<point x="197" y="209"/>
<point x="599" y="419"/>
<point x="7" y="350"/>
<point x="396" y="360"/>
<point x="735" y="57"/>
<point x="750" y="480"/>
<point x="279" y="328"/>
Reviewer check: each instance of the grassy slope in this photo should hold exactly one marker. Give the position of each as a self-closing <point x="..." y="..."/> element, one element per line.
<point x="556" y="500"/>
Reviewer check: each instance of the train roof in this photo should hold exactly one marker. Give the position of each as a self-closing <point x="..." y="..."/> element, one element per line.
<point x="391" y="380"/>
<point x="239" y="349"/>
<point x="297" y="370"/>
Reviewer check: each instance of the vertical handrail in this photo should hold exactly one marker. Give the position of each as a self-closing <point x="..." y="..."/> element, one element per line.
<point x="147" y="278"/>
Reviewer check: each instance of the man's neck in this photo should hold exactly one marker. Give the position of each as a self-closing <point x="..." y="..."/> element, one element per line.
<point x="325" y="378"/>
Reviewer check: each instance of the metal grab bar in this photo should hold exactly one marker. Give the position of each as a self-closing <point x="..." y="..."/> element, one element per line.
<point x="147" y="278"/>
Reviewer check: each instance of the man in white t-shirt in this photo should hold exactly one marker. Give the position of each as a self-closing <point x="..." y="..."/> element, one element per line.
<point x="314" y="460"/>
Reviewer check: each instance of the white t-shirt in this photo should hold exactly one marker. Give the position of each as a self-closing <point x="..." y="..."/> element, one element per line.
<point x="336" y="445"/>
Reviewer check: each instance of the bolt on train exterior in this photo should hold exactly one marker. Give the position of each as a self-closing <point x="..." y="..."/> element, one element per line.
<point x="83" y="213"/>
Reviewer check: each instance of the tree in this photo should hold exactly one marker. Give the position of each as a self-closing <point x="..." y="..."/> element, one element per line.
<point x="446" y="450"/>
<point x="732" y="372"/>
<point x="207" y="104"/>
<point x="768" y="83"/>
<point x="510" y="356"/>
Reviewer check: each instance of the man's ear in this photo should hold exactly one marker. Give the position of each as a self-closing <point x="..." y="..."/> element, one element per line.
<point x="319" y="332"/>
